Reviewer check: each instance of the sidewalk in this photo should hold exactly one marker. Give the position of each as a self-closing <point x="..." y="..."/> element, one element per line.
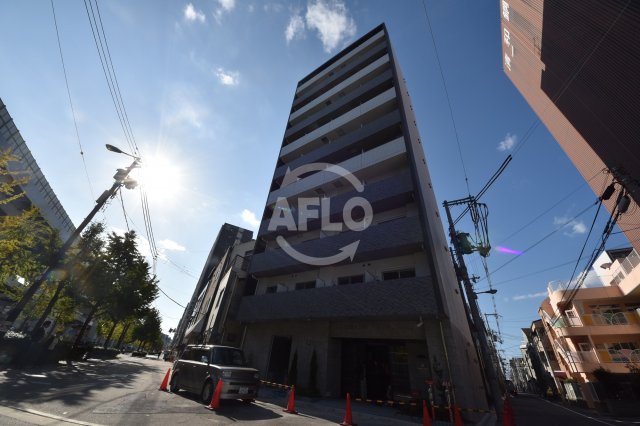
<point x="333" y="409"/>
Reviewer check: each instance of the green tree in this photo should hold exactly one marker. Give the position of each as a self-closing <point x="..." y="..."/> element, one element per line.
<point x="147" y="330"/>
<point x="133" y="288"/>
<point x="27" y="242"/>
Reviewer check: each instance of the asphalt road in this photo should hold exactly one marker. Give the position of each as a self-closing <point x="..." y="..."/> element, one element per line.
<point x="125" y="392"/>
<point x="531" y="410"/>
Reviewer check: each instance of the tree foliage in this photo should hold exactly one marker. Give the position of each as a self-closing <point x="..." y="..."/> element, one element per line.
<point x="27" y="242"/>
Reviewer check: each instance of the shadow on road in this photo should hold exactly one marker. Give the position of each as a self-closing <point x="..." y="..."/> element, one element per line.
<point x="72" y="384"/>
<point x="234" y="410"/>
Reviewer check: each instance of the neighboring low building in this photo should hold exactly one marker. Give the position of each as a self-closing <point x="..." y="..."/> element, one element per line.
<point x="521" y="375"/>
<point x="540" y="359"/>
<point x="213" y="317"/>
<point x="228" y="236"/>
<point x="599" y="327"/>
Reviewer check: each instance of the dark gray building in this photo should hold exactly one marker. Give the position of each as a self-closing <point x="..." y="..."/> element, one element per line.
<point x="351" y="261"/>
<point x="229" y="236"/>
<point x="38" y="192"/>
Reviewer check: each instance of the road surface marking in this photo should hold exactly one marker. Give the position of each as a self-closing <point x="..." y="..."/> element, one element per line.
<point x="26" y="414"/>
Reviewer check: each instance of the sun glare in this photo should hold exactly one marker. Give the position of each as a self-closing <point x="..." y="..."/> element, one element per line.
<point x="161" y="178"/>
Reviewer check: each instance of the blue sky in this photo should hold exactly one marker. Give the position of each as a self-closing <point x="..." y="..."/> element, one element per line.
<point x="208" y="86"/>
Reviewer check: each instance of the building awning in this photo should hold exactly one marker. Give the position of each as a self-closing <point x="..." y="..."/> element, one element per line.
<point x="560" y="374"/>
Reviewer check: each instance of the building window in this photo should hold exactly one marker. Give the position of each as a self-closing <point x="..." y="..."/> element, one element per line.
<point x="352" y="279"/>
<point x="272" y="289"/>
<point x="305" y="285"/>
<point x="394" y="275"/>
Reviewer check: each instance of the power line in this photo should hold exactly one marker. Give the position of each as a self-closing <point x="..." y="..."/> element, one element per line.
<point x="107" y="72"/>
<point x="124" y="212"/>
<point x="104" y="53"/>
<point x="545" y="237"/>
<point x="531" y="273"/>
<point x="170" y="298"/>
<point x="446" y="92"/>
<point x="73" y="112"/>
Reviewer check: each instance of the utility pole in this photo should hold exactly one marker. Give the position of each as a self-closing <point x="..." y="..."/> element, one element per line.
<point x="494" y="388"/>
<point x="120" y="180"/>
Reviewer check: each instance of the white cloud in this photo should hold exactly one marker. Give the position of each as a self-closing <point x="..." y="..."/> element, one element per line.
<point x="508" y="142"/>
<point x="332" y="21"/>
<point x="170" y="245"/>
<point x="577" y="227"/>
<point x="250" y="217"/>
<point x="228" y="78"/>
<point x="192" y="14"/>
<point x="225" y="6"/>
<point x="295" y="29"/>
<point x="183" y="110"/>
<point x="530" y="296"/>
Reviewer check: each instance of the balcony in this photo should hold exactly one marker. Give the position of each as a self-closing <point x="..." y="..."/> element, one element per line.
<point x="326" y="98"/>
<point x="383" y="195"/>
<point x="362" y="114"/>
<point x="599" y="324"/>
<point x="587" y="361"/>
<point x="393" y="238"/>
<point x="366" y="137"/>
<point x="340" y="61"/>
<point x="352" y="67"/>
<point x="627" y="274"/>
<point x="400" y="298"/>
<point x="334" y="109"/>
<point x="385" y="158"/>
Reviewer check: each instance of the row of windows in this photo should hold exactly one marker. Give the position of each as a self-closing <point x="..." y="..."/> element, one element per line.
<point x="351" y="279"/>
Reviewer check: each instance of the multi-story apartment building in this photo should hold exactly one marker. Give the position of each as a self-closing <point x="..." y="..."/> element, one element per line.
<point x="228" y="236"/>
<point x="521" y="375"/>
<point x="540" y="359"/>
<point x="213" y="317"/>
<point x="38" y="192"/>
<point x="351" y="261"/>
<point x="599" y="327"/>
<point x="577" y="67"/>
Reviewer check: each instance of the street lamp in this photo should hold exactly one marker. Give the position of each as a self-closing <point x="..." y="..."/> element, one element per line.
<point x="492" y="291"/>
<point x="121" y="178"/>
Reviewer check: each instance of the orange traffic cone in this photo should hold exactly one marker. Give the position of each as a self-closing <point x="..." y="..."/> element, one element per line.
<point x="215" y="398"/>
<point x="348" y="421"/>
<point x="291" y="405"/>
<point x="426" y="420"/>
<point x="457" y="416"/>
<point x="507" y="413"/>
<point x="165" y="382"/>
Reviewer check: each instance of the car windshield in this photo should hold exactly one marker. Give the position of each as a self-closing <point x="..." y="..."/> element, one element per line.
<point x="228" y="356"/>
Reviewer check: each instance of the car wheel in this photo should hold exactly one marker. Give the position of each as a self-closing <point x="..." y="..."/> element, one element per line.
<point x="173" y="385"/>
<point x="207" y="392"/>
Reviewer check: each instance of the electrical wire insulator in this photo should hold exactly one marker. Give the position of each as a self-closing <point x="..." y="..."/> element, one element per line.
<point x="623" y="204"/>
<point x="608" y="192"/>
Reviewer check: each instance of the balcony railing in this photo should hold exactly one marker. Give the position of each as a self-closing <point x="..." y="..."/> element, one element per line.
<point x="626" y="266"/>
<point x="601" y="319"/>
<point x="622" y="356"/>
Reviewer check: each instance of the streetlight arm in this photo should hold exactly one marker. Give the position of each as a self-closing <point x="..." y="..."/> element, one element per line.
<point x="57" y="258"/>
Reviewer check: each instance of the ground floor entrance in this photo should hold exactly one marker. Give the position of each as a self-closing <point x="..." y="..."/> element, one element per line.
<point x="375" y="369"/>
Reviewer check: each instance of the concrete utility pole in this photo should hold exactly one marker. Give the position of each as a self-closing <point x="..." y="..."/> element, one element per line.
<point x="462" y="273"/>
<point x="120" y="180"/>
